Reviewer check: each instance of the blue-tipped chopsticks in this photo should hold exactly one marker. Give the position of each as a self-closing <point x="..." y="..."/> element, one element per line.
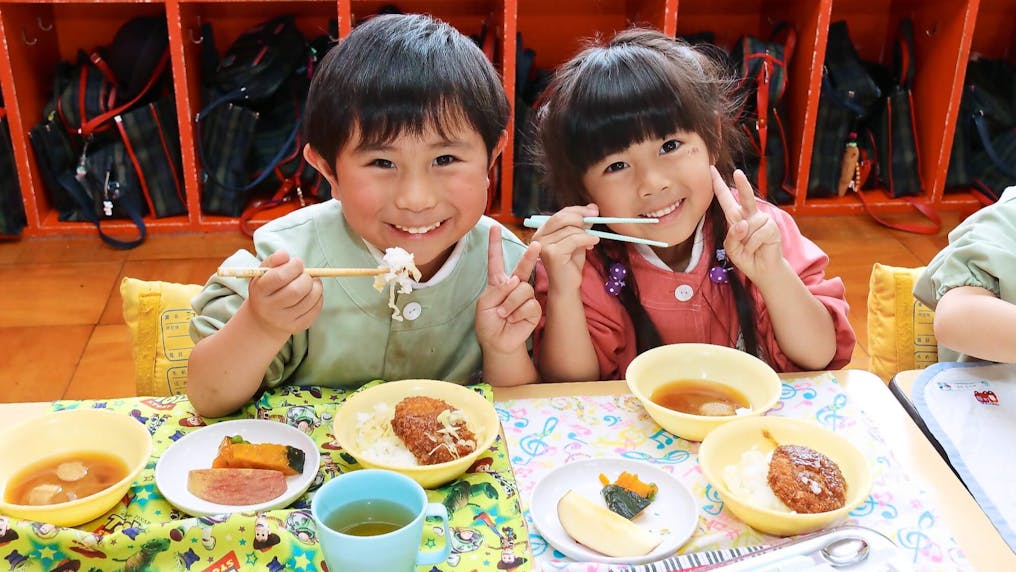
<point x="536" y="221"/>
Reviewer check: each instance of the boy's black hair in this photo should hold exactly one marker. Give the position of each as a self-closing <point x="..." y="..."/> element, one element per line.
<point x="397" y="74"/>
<point x="639" y="86"/>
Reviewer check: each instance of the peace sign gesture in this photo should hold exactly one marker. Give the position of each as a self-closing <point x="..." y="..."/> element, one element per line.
<point x="507" y="311"/>
<point x="753" y="239"/>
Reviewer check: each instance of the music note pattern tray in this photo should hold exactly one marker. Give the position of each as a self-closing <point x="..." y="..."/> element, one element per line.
<point x="548" y="432"/>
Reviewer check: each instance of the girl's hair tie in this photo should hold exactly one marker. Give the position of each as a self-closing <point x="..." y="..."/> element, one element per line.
<point x="615" y="278"/>
<point x="719" y="273"/>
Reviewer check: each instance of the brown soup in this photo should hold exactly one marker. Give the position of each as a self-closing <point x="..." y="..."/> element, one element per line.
<point x="700" y="397"/>
<point x="65" y="478"/>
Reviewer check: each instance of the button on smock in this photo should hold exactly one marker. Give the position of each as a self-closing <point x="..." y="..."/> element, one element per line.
<point x="412" y="310"/>
<point x="684" y="292"/>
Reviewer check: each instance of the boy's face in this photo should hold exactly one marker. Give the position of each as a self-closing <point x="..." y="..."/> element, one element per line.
<point x="665" y="178"/>
<point x="422" y="193"/>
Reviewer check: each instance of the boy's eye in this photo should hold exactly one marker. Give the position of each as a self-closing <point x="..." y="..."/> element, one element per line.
<point x="444" y="160"/>
<point x="670" y="146"/>
<point x="615" y="166"/>
<point x="382" y="163"/>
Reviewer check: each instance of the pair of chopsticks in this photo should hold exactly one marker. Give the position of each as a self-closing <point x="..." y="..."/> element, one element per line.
<point x="536" y="221"/>
<point x="323" y="272"/>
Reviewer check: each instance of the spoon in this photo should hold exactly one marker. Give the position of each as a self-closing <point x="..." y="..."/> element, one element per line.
<point x="845" y="551"/>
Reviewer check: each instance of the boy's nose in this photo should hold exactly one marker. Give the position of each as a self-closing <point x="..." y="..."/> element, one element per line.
<point x="415" y="194"/>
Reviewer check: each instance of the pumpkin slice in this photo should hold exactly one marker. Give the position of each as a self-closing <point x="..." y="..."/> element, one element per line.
<point x="236" y="453"/>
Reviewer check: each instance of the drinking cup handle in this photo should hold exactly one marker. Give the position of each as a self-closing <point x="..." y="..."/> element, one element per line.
<point x="437" y="555"/>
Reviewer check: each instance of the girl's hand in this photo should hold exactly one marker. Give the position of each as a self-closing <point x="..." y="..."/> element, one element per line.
<point x="753" y="240"/>
<point x="507" y="311"/>
<point x="564" y="243"/>
<point x="284" y="299"/>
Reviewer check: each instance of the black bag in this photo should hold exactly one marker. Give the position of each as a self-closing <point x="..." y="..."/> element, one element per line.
<point x="260" y="60"/>
<point x="762" y="68"/>
<point x="848" y="92"/>
<point x="892" y="120"/>
<point x="12" y="209"/>
<point x="983" y="153"/>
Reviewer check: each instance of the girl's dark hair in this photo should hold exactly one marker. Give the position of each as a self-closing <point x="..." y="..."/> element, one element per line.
<point x="398" y="74"/>
<point x="641" y="85"/>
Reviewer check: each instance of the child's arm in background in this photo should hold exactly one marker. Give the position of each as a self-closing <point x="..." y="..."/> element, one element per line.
<point x="506" y="315"/>
<point x="227" y="367"/>
<point x="973" y="321"/>
<point x="566" y="350"/>
<point x="802" y="324"/>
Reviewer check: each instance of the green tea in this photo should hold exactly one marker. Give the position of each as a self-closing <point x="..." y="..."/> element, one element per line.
<point x="370" y="517"/>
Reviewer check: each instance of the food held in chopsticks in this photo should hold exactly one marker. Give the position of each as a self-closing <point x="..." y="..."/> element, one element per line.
<point x="596" y="527"/>
<point x="418" y="431"/>
<point x="402" y="272"/>
<point x="791" y="478"/>
<point x="627" y="495"/>
<point x="236" y="487"/>
<point x="237" y="453"/>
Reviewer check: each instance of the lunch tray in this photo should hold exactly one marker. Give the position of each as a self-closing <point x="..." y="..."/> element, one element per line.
<point x="488" y="528"/>
<point x="544" y="433"/>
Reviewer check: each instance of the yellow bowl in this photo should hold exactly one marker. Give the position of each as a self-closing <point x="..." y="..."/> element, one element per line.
<point x="724" y="446"/>
<point x="63" y="432"/>
<point x="732" y="368"/>
<point x="481" y="418"/>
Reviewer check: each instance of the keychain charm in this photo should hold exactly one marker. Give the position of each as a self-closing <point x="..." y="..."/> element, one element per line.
<point x="719" y="274"/>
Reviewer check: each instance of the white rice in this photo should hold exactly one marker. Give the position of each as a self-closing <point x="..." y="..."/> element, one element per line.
<point x="378" y="442"/>
<point x="748" y="480"/>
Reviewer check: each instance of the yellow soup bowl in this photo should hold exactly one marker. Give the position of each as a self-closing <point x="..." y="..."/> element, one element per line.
<point x="358" y="421"/>
<point x="62" y="434"/>
<point x="706" y="363"/>
<point x="723" y="448"/>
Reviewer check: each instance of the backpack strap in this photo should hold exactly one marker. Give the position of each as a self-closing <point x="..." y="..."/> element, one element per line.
<point x="93" y="124"/>
<point x="87" y="209"/>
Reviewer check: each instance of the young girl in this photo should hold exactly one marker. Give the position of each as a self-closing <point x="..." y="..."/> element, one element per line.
<point x="643" y="127"/>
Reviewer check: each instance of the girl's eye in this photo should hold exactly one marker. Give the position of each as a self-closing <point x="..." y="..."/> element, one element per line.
<point x="382" y="163"/>
<point x="615" y="166"/>
<point x="670" y="146"/>
<point x="444" y="160"/>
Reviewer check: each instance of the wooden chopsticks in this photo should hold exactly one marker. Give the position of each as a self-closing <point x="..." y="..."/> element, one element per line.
<point x="323" y="272"/>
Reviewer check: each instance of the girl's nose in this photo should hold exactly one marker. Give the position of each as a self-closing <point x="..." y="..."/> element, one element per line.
<point x="652" y="182"/>
<point x="415" y="194"/>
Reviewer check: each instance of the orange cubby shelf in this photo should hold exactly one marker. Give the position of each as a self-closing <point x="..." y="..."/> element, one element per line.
<point x="38" y="33"/>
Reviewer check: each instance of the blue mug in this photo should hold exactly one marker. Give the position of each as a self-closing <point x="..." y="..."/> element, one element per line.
<point x="392" y="551"/>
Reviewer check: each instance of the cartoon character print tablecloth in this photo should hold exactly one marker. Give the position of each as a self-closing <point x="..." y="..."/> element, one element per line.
<point x="145" y="533"/>
<point x="546" y="433"/>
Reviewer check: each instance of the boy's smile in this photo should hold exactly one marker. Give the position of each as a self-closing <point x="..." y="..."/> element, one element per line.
<point x="420" y="191"/>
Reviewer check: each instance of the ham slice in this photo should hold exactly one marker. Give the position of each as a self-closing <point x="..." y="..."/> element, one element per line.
<point x="236" y="486"/>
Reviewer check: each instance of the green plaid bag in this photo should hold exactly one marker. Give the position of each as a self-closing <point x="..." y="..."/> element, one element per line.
<point x="230" y="129"/>
<point x="848" y="92"/>
<point x="12" y="210"/>
<point x="151" y="137"/>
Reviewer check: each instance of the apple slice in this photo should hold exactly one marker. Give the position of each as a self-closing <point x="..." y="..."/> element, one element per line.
<point x="606" y="532"/>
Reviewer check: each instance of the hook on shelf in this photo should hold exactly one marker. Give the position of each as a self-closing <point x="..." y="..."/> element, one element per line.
<point x="331" y="38"/>
<point x="932" y="31"/>
<point x="28" y="42"/>
<point x="42" y="26"/>
<point x="200" y="37"/>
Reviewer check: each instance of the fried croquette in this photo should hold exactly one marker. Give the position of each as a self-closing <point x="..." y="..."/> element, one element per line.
<point x="805" y="480"/>
<point x="430" y="437"/>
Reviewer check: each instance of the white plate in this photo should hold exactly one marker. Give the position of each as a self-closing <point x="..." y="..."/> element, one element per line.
<point x="197" y="450"/>
<point x="673" y="514"/>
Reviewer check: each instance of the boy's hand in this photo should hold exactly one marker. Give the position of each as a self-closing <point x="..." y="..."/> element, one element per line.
<point x="285" y="299"/>
<point x="753" y="240"/>
<point x="507" y="312"/>
<point x="564" y="243"/>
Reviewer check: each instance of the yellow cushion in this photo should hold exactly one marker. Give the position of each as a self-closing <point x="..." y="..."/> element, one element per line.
<point x="900" y="327"/>
<point x="158" y="315"/>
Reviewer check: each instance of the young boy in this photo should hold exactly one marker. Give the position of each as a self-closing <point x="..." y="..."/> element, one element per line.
<point x="405" y="119"/>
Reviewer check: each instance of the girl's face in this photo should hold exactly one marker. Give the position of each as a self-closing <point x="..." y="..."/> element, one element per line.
<point x="667" y="178"/>
<point x="419" y="192"/>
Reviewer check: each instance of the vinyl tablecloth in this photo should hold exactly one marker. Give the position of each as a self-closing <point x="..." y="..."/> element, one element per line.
<point x="145" y="533"/>
<point x="545" y="433"/>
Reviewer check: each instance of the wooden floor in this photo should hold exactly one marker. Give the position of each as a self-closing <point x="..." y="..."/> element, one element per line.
<point x="60" y="314"/>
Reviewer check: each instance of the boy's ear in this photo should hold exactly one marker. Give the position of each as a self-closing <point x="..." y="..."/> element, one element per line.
<point x="322" y="167"/>
<point x="499" y="148"/>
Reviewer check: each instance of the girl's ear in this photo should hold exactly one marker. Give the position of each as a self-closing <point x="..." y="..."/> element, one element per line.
<point x="498" y="149"/>
<point x="327" y="171"/>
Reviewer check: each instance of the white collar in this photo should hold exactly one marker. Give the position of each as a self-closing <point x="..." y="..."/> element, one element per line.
<point x="696" y="251"/>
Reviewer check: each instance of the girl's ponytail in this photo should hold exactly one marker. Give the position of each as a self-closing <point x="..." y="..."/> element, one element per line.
<point x="646" y="334"/>
<point x="742" y="299"/>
